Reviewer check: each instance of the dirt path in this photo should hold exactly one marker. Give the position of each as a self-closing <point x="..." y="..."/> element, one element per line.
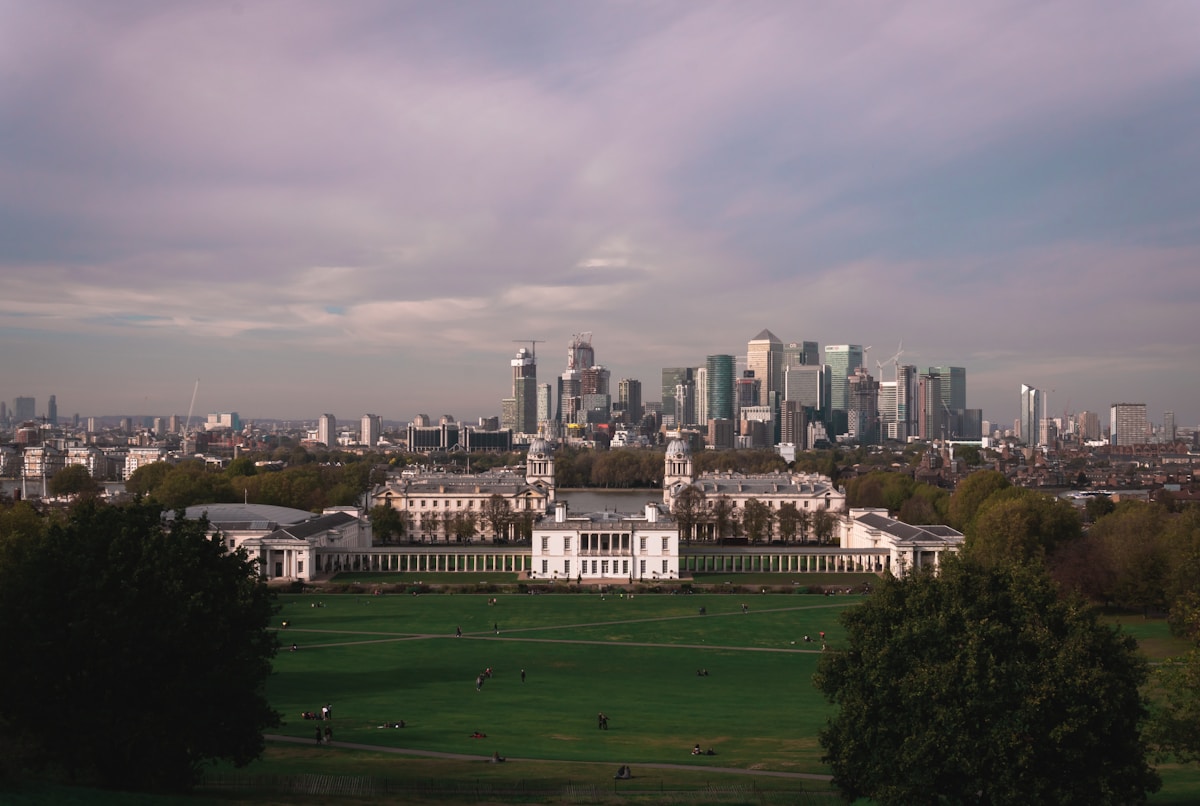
<point x="402" y="751"/>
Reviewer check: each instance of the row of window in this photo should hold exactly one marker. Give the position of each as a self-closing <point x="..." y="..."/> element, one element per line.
<point x="602" y="541"/>
<point x="602" y="568"/>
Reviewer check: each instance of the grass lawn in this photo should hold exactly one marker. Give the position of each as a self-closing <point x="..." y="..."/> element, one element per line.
<point x="379" y="659"/>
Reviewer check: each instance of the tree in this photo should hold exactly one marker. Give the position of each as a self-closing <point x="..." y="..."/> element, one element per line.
<point x="73" y="480"/>
<point x="981" y="685"/>
<point x="788" y="518"/>
<point x="386" y="523"/>
<point x="143" y="646"/>
<point x="823" y="523"/>
<point x="497" y="513"/>
<point x="757" y="518"/>
<point x="724" y="515"/>
<point x="971" y="493"/>
<point x="146" y="479"/>
<point x="1021" y="525"/>
<point x="687" y="509"/>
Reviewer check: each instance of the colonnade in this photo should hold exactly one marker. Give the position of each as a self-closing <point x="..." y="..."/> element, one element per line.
<point x="465" y="560"/>
<point x="717" y="559"/>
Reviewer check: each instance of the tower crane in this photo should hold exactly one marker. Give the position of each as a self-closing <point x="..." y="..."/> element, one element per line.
<point x="533" y="343"/>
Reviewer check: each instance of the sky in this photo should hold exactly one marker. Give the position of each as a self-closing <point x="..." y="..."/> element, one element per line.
<point x="356" y="207"/>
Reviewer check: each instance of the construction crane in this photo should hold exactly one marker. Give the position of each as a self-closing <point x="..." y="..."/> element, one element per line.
<point x="188" y="426"/>
<point x="533" y="343"/>
<point x="895" y="362"/>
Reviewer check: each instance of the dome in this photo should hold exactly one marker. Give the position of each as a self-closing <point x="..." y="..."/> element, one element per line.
<point x="678" y="449"/>
<point x="538" y="449"/>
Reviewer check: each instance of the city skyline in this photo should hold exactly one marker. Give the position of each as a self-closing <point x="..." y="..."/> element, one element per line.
<point x="313" y="208"/>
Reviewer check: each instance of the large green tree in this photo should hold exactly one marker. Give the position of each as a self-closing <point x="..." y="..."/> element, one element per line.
<point x="137" y="649"/>
<point x="970" y="494"/>
<point x="73" y="480"/>
<point x="980" y="685"/>
<point x="1021" y="525"/>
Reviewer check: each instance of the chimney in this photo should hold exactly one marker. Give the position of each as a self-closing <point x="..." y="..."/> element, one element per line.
<point x="560" y="512"/>
<point x="651" y="513"/>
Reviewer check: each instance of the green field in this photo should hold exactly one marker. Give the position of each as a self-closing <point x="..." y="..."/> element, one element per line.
<point x="379" y="659"/>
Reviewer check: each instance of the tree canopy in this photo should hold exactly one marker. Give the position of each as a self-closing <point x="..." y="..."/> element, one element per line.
<point x="981" y="685"/>
<point x="138" y="649"/>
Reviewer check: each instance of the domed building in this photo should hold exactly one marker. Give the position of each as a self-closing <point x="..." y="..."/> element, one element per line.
<point x="808" y="492"/>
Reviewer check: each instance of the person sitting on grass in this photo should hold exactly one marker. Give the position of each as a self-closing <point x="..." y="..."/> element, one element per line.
<point x="497" y="758"/>
<point x="696" y="750"/>
<point x="478" y="735"/>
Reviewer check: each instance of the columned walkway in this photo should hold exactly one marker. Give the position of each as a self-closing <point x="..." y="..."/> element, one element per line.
<point x="694" y="558"/>
<point x="471" y="559"/>
<point x="701" y="558"/>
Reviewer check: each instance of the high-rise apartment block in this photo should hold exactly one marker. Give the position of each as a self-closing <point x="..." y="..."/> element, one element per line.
<point x="327" y="430"/>
<point x="371" y="430"/>
<point x="1033" y="411"/>
<point x="1128" y="424"/>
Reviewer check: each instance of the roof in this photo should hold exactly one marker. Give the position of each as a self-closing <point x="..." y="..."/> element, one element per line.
<point x="324" y="523"/>
<point x="906" y="533"/>
<point x="238" y="517"/>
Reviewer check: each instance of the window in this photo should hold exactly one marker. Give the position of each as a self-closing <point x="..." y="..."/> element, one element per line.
<point x="300" y="566"/>
<point x="566" y="544"/>
<point x="594" y="566"/>
<point x="643" y="569"/>
<point x="545" y="566"/>
<point x="422" y="502"/>
<point x="664" y="566"/>
<point x="624" y="566"/>
<point x="643" y="545"/>
<point x="545" y="544"/>
<point x="666" y="547"/>
<point x="567" y="567"/>
<point x="604" y="542"/>
<point x="232" y="543"/>
<point x="604" y="567"/>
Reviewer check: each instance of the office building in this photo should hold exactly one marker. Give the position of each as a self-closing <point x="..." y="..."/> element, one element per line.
<point x="24" y="408"/>
<point x="842" y="360"/>
<point x="52" y="411"/>
<point x="718" y="381"/>
<point x="1127" y="424"/>
<point x="672" y="377"/>
<point x="629" y="399"/>
<point x="764" y="357"/>
<point x="545" y="403"/>
<point x="801" y="354"/>
<point x="930" y="424"/>
<point x="522" y="410"/>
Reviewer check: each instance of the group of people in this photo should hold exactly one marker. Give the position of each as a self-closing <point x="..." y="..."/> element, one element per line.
<point x="696" y="751"/>
<point x="484" y="675"/>
<point x="602" y="721"/>
<point x="399" y="724"/>
<point x="702" y="673"/>
<point x="326" y="713"/>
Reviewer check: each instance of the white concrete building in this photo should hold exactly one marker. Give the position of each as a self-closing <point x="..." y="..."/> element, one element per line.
<point x="605" y="546"/>
<point x="909" y="547"/>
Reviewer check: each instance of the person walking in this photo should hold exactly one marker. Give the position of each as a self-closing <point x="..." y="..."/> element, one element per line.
<point x="522" y="675"/>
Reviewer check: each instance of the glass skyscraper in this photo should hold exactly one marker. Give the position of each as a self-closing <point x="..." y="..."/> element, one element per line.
<point x="719" y="378"/>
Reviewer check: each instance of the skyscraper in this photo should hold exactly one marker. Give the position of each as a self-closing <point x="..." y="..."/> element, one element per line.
<point x="1128" y="424"/>
<point x="801" y="354"/>
<point x="629" y="397"/>
<point x="1168" y="429"/>
<point x="524" y="396"/>
<point x="842" y="360"/>
<point x="1033" y="411"/>
<point x="719" y="376"/>
<point x="863" y="414"/>
<point x="52" y="411"/>
<point x="764" y="356"/>
<point x="24" y="408"/>
<point x="671" y="378"/>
